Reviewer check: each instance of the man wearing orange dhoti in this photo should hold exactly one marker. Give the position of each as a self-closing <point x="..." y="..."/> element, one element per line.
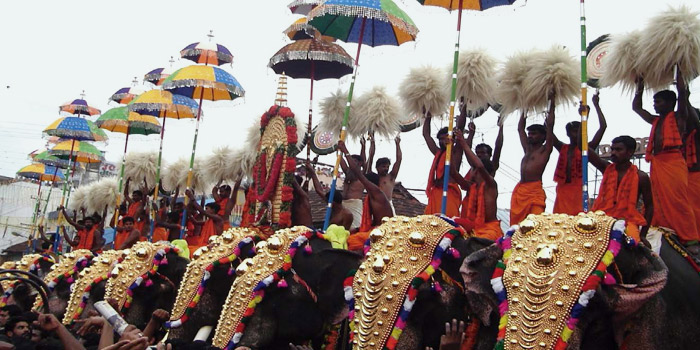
<point x="434" y="189"/>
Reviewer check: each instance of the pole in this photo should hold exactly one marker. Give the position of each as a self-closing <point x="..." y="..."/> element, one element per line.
<point x="160" y="157"/>
<point x="189" y="172"/>
<point x="121" y="179"/>
<point x="63" y="195"/>
<point x="584" y="112"/>
<point x="311" y="108"/>
<point x="344" y="128"/>
<point x="450" y="126"/>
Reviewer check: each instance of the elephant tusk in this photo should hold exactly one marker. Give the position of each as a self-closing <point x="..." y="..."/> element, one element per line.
<point x="203" y="333"/>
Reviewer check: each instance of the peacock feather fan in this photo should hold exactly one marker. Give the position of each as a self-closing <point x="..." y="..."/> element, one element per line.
<point x="378" y="112"/>
<point x="475" y="79"/>
<point x="511" y="78"/>
<point x="423" y="91"/>
<point x="620" y="65"/>
<point x="671" y="38"/>
<point x="140" y="166"/>
<point x="553" y="70"/>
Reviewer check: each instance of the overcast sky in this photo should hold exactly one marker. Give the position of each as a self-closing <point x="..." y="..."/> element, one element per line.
<point x="55" y="49"/>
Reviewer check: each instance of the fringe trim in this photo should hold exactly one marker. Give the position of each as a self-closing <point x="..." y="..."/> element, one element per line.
<point x="310" y="55"/>
<point x="360" y="11"/>
<point x="233" y="90"/>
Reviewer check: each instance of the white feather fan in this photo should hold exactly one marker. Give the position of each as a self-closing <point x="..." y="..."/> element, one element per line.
<point x="509" y="92"/>
<point x="218" y="166"/>
<point x="475" y="79"/>
<point x="376" y="111"/>
<point x="424" y="90"/>
<point x="140" y="165"/>
<point x="333" y="111"/>
<point x="173" y="172"/>
<point x="103" y="194"/>
<point x="199" y="178"/>
<point x="553" y="70"/>
<point x="671" y="38"/>
<point x="301" y="124"/>
<point x="620" y="65"/>
<point x="245" y="157"/>
<point x="79" y="198"/>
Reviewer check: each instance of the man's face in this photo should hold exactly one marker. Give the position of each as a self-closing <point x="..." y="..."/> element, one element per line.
<point x="21" y="329"/>
<point x="535" y="137"/>
<point x="129" y="226"/>
<point x="383" y="169"/>
<point x="224" y="191"/>
<point x="442" y="140"/>
<point x="573" y="132"/>
<point x="88" y="223"/>
<point x="3" y="318"/>
<point x="661" y="106"/>
<point x="483" y="153"/>
<point x="136" y="196"/>
<point x="619" y="153"/>
<point x="179" y="206"/>
<point x="209" y="210"/>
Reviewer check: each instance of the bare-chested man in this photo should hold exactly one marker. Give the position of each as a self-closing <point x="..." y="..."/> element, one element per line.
<point x="568" y="173"/>
<point x="352" y="192"/>
<point x="377" y="205"/>
<point x="528" y="196"/>
<point x="387" y="179"/>
<point x="434" y="189"/>
<point x="340" y="215"/>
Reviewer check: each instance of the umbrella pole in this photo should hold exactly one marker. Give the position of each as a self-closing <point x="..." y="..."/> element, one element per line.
<point x="189" y="173"/>
<point x="344" y="128"/>
<point x="450" y="125"/>
<point x="63" y="195"/>
<point x="121" y="179"/>
<point x="157" y="186"/>
<point x="584" y="112"/>
<point x="311" y="108"/>
<point x="35" y="214"/>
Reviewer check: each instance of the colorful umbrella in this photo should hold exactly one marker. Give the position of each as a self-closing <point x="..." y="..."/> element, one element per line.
<point x="79" y="107"/>
<point x="312" y="59"/>
<point x="75" y="128"/>
<point x="303" y="7"/>
<point x="99" y="134"/>
<point x="369" y="22"/>
<point x="207" y="52"/>
<point x="302" y="30"/>
<point x="44" y="157"/>
<point x="157" y="75"/>
<point x="458" y="5"/>
<point x="127" y="94"/>
<point x="203" y="82"/>
<point x="77" y="151"/>
<point x="41" y="172"/>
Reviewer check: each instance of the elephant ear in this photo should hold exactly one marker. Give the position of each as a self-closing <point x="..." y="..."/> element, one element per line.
<point x="476" y="271"/>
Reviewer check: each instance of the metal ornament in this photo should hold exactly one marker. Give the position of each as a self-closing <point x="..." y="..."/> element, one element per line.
<point x="551" y="258"/>
<point x="68" y="265"/>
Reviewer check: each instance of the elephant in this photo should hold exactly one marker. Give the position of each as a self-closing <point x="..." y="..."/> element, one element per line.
<point x="147" y="279"/>
<point x="231" y="247"/>
<point x="60" y="279"/>
<point x="652" y="305"/>
<point x="17" y="292"/>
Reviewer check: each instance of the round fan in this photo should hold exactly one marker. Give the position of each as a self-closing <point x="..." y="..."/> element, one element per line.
<point x="595" y="54"/>
<point x="410" y="122"/>
<point x="323" y="142"/>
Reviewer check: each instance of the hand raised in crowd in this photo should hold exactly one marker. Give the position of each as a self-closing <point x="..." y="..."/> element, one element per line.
<point x="90" y="325"/>
<point x="596" y="98"/>
<point x="48" y="322"/>
<point x="160" y="315"/>
<point x="472" y="127"/>
<point x="454" y="335"/>
<point x="397" y="139"/>
<point x="583" y="108"/>
<point x="136" y="344"/>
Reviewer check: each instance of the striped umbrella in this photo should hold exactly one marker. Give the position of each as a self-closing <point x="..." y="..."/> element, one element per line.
<point x="41" y="172"/>
<point x="44" y="157"/>
<point x="77" y="151"/>
<point x="127" y="94"/>
<point x="458" y="5"/>
<point x="207" y="52"/>
<point x="303" y="7"/>
<point x="300" y="29"/>
<point x="205" y="83"/>
<point x="75" y="128"/>
<point x="79" y="107"/>
<point x="369" y="22"/>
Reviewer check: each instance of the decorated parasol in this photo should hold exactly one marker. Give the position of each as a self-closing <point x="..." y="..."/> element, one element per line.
<point x="458" y="5"/>
<point x="75" y="128"/>
<point x="157" y="75"/>
<point x="79" y="107"/>
<point x="125" y="95"/>
<point x="40" y="172"/>
<point x="372" y="23"/>
<point x="205" y="83"/>
<point x="303" y="7"/>
<point x="77" y="151"/>
<point x="311" y="59"/>
<point x="45" y="158"/>
<point x="300" y="29"/>
<point x="207" y="52"/>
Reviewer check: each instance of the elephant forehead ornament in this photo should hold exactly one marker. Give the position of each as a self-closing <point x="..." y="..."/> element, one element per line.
<point x="402" y="251"/>
<point x="222" y="249"/>
<point x="551" y="266"/>
<point x="68" y="265"/>
<point x="97" y="272"/>
<point x="141" y="262"/>
<point x="272" y="261"/>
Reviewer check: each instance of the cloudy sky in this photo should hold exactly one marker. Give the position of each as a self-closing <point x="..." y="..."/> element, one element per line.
<point x="55" y="50"/>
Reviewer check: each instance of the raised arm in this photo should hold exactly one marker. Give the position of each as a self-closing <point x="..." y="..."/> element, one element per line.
<point x="370" y="156"/>
<point x="473" y="160"/>
<point x="683" y="103"/>
<point x="318" y="188"/>
<point x="470" y="134"/>
<point x="127" y="197"/>
<point x="595" y="141"/>
<point x="597" y="162"/>
<point x="432" y="146"/>
<point x="521" y="131"/>
<point x="549" y="145"/>
<point x="199" y="208"/>
<point x="399" y="157"/>
<point x="637" y="102"/>
<point x="69" y="220"/>
<point x="231" y="202"/>
<point x="72" y="242"/>
<point x="496" y="160"/>
<point x="355" y="169"/>
<point x="215" y="191"/>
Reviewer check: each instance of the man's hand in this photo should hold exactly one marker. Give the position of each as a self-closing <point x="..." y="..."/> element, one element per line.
<point x="640" y="84"/>
<point x="551" y="95"/>
<point x="454" y="335"/>
<point x="62" y="208"/>
<point x="308" y="166"/>
<point x="90" y="325"/>
<point x="342" y="148"/>
<point x="459" y="135"/>
<point x="397" y="139"/>
<point x="472" y="127"/>
<point x="596" y="99"/>
<point x="132" y="333"/>
<point x="583" y="108"/>
<point x="160" y="315"/>
<point x="136" y="344"/>
<point x="48" y="322"/>
<point x="362" y="140"/>
<point x="189" y="194"/>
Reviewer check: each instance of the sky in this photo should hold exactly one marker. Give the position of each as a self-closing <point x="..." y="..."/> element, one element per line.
<point x="56" y="49"/>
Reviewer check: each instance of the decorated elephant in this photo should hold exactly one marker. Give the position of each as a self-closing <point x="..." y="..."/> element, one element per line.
<point x="291" y="291"/>
<point x="147" y="279"/>
<point x="206" y="283"/>
<point x="17" y="292"/>
<point x="561" y="282"/>
<point x="61" y="277"/>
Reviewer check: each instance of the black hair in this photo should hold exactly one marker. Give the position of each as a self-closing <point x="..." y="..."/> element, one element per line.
<point x="216" y="207"/>
<point x="627" y="141"/>
<point x="30" y="316"/>
<point x="382" y="161"/>
<point x="488" y="148"/>
<point x="174" y="216"/>
<point x="572" y="125"/>
<point x="441" y="132"/>
<point x="128" y="219"/>
<point x="537" y="128"/>
<point x="373" y="178"/>
<point x="12" y="310"/>
<point x="10" y="325"/>
<point x="81" y="221"/>
<point x="666" y="95"/>
<point x="91" y="218"/>
<point x="96" y="217"/>
<point x="137" y="192"/>
<point x="225" y="187"/>
<point x="357" y="157"/>
<point x="337" y="197"/>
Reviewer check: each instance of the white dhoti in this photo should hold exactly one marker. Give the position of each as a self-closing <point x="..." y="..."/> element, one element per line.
<point x="355" y="207"/>
<point x="391" y="204"/>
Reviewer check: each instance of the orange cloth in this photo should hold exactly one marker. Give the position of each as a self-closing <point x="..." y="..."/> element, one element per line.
<point x="569" y="198"/>
<point x="208" y="230"/>
<point x="119" y="238"/>
<point x="222" y="206"/>
<point x="159" y="234"/>
<point x="473" y="204"/>
<point x="672" y="205"/>
<point x="632" y="230"/>
<point x="366" y="222"/>
<point x="435" y="200"/>
<point x="85" y="238"/>
<point x="527" y="198"/>
<point x="356" y="241"/>
<point x="670" y="135"/>
<point x="489" y="230"/>
<point x="132" y="211"/>
<point x="562" y="163"/>
<point x="694" y="192"/>
<point x="620" y="201"/>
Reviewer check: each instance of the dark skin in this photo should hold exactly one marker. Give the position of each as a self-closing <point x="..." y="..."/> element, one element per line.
<point x="434" y="149"/>
<point x="352" y="187"/>
<point x="89" y="223"/>
<point x="537" y="146"/>
<point x="663" y="108"/>
<point x="207" y="212"/>
<point x="137" y="199"/>
<point x="367" y="161"/>
<point x="694" y="124"/>
<point x="133" y="236"/>
<point x="620" y="156"/>
<point x="339" y="215"/>
<point x="387" y="179"/>
<point x="574" y="135"/>
<point x="483" y="152"/>
<point x="481" y="175"/>
<point x="301" y="208"/>
<point x="379" y="204"/>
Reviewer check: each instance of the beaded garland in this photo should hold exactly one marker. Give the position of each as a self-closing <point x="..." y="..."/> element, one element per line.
<point x="598" y="275"/>
<point x="69" y="265"/>
<point x="31" y="260"/>
<point x="681" y="251"/>
<point x="158" y="260"/>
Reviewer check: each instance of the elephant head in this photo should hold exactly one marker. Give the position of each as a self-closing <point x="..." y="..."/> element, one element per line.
<point x="61" y="277"/>
<point x="17" y="292"/>
<point x="207" y="281"/>
<point x="577" y="273"/>
<point x="300" y="275"/>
